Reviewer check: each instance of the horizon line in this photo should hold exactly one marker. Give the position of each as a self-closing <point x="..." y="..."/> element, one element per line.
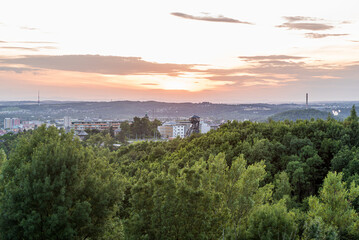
<point x="241" y="103"/>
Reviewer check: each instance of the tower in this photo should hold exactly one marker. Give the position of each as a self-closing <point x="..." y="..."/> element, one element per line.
<point x="306" y="100"/>
<point x="195" y="120"/>
<point x="38" y="98"/>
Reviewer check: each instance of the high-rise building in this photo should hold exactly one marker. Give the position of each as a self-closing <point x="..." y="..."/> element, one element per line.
<point x="67" y="122"/>
<point x="7" y="123"/>
<point x="15" y="122"/>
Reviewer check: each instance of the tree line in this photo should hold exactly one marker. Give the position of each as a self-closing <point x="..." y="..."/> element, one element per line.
<point x="139" y="128"/>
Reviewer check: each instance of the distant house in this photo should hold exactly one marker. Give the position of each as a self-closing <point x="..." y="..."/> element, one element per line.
<point x="174" y="129"/>
<point x="204" y="127"/>
<point x="117" y="131"/>
<point x="166" y="130"/>
<point x="82" y="135"/>
<point x="214" y="126"/>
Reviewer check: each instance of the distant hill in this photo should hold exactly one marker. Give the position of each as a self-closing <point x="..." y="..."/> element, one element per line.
<point x="304" y="114"/>
<point x="121" y="110"/>
<point x="129" y="109"/>
<point x="19" y="103"/>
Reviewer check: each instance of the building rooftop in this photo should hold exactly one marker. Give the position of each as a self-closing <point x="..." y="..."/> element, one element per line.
<point x="82" y="133"/>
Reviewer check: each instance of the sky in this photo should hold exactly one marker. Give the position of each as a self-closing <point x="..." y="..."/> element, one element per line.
<point x="180" y="51"/>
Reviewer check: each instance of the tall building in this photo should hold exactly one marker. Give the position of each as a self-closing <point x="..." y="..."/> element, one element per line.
<point x="15" y="122"/>
<point x="67" y="122"/>
<point x="7" y="123"/>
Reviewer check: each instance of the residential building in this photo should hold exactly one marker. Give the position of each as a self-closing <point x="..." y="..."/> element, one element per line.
<point x="82" y="135"/>
<point x="79" y="126"/>
<point x="166" y="130"/>
<point x="10" y="123"/>
<point x="7" y="123"/>
<point x="204" y="127"/>
<point x="173" y="129"/>
<point x="67" y="122"/>
<point x="214" y="126"/>
<point x="179" y="130"/>
<point x="15" y="122"/>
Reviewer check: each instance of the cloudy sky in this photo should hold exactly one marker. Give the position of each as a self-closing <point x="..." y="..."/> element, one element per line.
<point x="176" y="51"/>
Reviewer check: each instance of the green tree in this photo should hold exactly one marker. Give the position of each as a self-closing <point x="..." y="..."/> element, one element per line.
<point x="8" y="141"/>
<point x="283" y="189"/>
<point x="353" y="129"/>
<point x="177" y="204"/>
<point x="54" y="188"/>
<point x="2" y="157"/>
<point x="125" y="132"/>
<point x="334" y="206"/>
<point x="316" y="229"/>
<point x="243" y="191"/>
<point x="299" y="178"/>
<point x="100" y="140"/>
<point x="269" y="222"/>
<point x="342" y="159"/>
<point x="353" y="114"/>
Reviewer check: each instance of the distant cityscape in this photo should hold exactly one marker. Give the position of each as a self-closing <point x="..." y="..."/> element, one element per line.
<point x="168" y="129"/>
<point x="174" y="117"/>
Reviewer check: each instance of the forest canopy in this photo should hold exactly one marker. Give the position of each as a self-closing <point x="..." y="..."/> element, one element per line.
<point x="246" y="180"/>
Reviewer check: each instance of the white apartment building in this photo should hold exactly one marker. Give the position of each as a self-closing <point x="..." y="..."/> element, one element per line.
<point x="173" y="129"/>
<point x="204" y="127"/>
<point x="79" y="126"/>
<point x="179" y="130"/>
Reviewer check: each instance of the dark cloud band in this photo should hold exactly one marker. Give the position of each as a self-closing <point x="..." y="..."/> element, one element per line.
<point x="101" y="64"/>
<point x="16" y="69"/>
<point x="306" y="26"/>
<point x="318" y="35"/>
<point x="269" y="57"/>
<point x="300" y="18"/>
<point x="209" y="18"/>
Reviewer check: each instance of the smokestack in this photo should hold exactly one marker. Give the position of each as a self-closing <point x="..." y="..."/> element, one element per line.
<point x="306" y="100"/>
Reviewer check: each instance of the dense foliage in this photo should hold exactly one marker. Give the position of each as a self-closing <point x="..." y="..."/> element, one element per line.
<point x="275" y="180"/>
<point x="303" y="114"/>
<point x="139" y="128"/>
<point x="53" y="188"/>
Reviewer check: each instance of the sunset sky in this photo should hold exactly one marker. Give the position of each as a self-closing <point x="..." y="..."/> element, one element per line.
<point x="180" y="51"/>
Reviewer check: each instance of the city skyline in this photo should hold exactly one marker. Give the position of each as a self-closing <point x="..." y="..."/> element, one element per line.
<point x="179" y="51"/>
